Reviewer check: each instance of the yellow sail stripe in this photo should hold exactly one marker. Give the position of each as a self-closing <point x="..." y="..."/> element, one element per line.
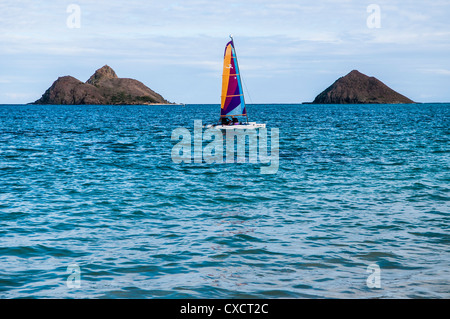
<point x="226" y="74"/>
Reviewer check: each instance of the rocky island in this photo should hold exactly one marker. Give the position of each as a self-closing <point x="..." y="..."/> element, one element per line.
<point x="358" y="88"/>
<point x="103" y="87"/>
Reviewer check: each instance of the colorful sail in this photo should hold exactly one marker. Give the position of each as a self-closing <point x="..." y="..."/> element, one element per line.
<point x="232" y="95"/>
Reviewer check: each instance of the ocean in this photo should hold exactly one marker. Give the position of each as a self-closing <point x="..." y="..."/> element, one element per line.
<point x="92" y="205"/>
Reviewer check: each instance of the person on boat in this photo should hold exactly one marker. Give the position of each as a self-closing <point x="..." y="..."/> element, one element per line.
<point x="225" y="121"/>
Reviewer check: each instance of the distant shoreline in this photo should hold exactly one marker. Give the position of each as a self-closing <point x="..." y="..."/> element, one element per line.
<point x="186" y="104"/>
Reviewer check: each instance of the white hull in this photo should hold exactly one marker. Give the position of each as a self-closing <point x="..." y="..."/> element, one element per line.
<point x="250" y="125"/>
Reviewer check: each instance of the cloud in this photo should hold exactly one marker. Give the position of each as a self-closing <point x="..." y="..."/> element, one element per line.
<point x="166" y="41"/>
<point x="436" y="71"/>
<point x="17" y="96"/>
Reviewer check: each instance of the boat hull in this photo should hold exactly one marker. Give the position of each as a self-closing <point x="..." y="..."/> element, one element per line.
<point x="249" y="126"/>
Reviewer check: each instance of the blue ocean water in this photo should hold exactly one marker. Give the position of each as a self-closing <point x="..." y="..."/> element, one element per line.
<point x="358" y="187"/>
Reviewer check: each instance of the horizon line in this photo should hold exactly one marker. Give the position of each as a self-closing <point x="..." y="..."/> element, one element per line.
<point x="262" y="103"/>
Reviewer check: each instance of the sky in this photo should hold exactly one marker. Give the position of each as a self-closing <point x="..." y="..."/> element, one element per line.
<point x="289" y="51"/>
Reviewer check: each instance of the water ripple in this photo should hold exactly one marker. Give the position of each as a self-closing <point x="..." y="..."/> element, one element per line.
<point x="94" y="186"/>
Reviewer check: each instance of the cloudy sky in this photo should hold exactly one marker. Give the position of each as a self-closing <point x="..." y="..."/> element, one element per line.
<point x="289" y="50"/>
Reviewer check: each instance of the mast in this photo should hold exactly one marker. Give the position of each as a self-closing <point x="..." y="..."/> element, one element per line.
<point x="239" y="72"/>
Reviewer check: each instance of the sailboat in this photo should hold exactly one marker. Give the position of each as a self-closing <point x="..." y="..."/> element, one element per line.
<point x="233" y="113"/>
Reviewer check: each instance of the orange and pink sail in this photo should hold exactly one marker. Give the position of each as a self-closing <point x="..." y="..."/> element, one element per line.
<point x="232" y="103"/>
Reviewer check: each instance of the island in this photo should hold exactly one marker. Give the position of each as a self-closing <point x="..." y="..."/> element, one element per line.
<point x="103" y="87"/>
<point x="358" y="88"/>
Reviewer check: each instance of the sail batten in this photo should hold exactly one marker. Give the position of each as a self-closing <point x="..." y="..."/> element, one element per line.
<point x="235" y="95"/>
<point x="232" y="98"/>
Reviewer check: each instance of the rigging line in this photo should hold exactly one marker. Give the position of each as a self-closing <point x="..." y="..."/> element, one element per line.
<point x="248" y="93"/>
<point x="239" y="71"/>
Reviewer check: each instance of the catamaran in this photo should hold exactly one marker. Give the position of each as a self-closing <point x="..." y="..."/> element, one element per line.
<point x="233" y="114"/>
